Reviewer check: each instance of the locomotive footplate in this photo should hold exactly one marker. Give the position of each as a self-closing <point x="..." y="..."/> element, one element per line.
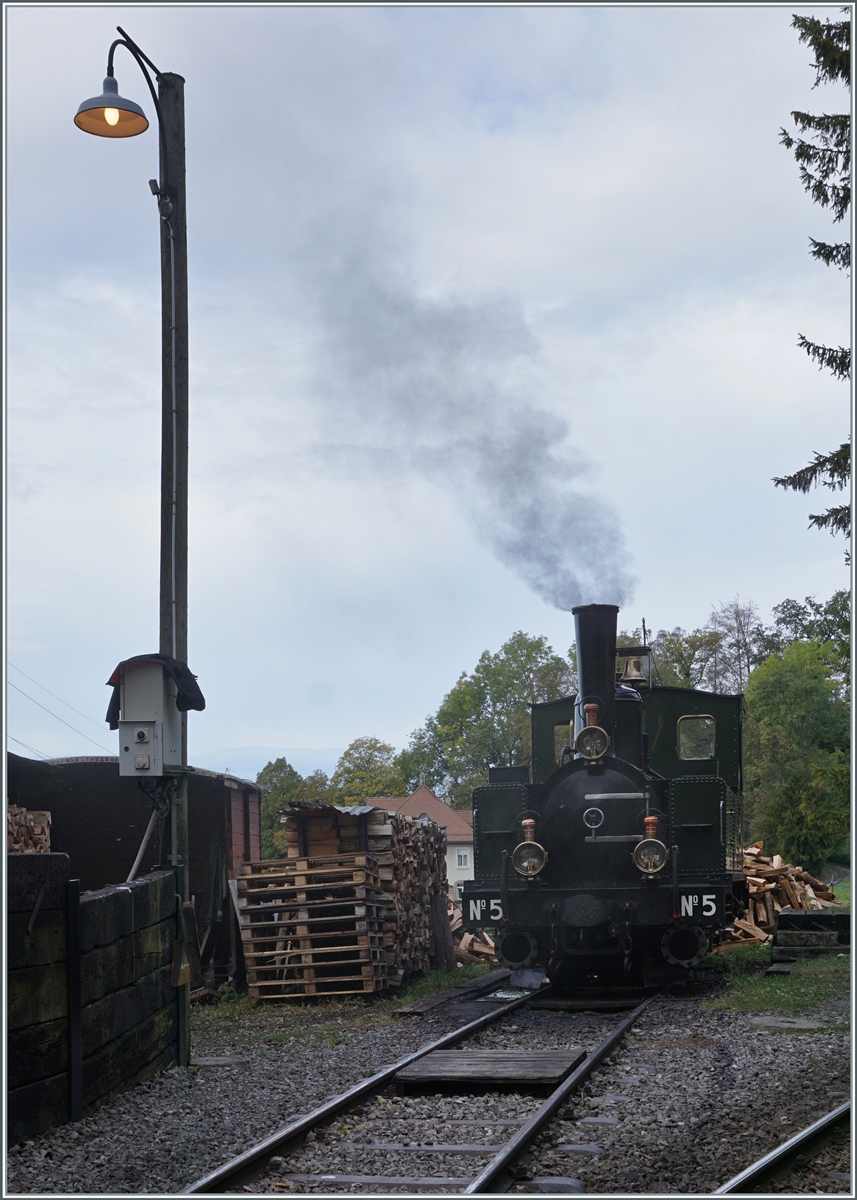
<point x="703" y="902"/>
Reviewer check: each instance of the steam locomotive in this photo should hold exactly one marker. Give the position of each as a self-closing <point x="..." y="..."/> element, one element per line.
<point x="616" y="858"/>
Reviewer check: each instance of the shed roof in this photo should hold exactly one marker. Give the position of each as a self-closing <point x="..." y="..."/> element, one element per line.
<point x="226" y="776"/>
<point x="458" y="824"/>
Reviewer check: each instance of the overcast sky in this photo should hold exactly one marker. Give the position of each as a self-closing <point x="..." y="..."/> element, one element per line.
<point x="493" y="310"/>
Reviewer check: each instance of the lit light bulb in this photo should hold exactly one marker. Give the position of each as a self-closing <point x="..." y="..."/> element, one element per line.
<point x="111" y="116"/>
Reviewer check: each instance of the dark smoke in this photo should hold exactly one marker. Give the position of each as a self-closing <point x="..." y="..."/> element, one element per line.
<point x="438" y="382"/>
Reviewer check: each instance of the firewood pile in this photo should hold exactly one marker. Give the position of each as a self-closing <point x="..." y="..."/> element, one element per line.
<point x="404" y="861"/>
<point x="27" y="832"/>
<point x="775" y="885"/>
<point x="469" y="947"/>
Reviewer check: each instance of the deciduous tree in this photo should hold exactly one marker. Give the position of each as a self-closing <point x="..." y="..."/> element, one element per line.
<point x="828" y="623"/>
<point x="278" y="783"/>
<point x="796" y="756"/>
<point x="366" y="768"/>
<point x="684" y="659"/>
<point x="485" y="719"/>
<point x="738" y="645"/>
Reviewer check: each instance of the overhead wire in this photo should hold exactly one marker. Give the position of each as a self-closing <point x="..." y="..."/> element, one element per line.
<point x="98" y="724"/>
<point x="54" y="715"/>
<point x="32" y="749"/>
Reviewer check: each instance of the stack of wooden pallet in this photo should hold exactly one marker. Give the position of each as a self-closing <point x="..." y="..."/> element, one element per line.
<point x="410" y="861"/>
<point x="27" y="832"/>
<point x="312" y="927"/>
<point x="774" y="885"/>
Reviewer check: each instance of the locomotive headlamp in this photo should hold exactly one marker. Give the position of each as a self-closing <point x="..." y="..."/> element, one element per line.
<point x="529" y="857"/>
<point x="650" y="856"/>
<point x="592" y="742"/>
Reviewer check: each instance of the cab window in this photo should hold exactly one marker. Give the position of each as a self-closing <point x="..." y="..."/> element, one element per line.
<point x="695" y="737"/>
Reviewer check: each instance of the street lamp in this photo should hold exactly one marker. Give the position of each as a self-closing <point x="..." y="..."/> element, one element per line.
<point x="111" y="115"/>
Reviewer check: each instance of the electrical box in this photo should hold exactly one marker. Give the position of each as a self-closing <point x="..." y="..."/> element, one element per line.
<point x="150" y="725"/>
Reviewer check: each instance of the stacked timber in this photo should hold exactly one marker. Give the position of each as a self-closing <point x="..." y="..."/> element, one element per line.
<point x="416" y="874"/>
<point x="775" y="885"/>
<point x="410" y="862"/>
<point x="27" y="832"/>
<point x="469" y="947"/>
<point x="312" y="927"/>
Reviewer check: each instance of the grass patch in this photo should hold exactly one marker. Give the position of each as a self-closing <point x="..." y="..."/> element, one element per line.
<point x="228" y="1008"/>
<point x="842" y="892"/>
<point x="812" y="984"/>
<point x="439" y="981"/>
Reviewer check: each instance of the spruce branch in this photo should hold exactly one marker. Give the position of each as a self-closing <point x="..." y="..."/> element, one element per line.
<point x="836" y="255"/>
<point x="837" y="361"/>
<point x="832" y="470"/>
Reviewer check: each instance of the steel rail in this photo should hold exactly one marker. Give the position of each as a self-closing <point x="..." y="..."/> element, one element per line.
<point x="768" y="1163"/>
<point x="253" y="1161"/>
<point x="487" y="1180"/>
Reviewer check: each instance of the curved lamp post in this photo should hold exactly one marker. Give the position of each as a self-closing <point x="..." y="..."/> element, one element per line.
<point x="111" y="115"/>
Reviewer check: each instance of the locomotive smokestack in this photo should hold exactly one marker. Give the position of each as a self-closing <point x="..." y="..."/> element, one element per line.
<point x="595" y="634"/>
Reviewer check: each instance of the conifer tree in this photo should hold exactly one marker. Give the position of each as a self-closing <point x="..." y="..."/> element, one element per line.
<point x="822" y="150"/>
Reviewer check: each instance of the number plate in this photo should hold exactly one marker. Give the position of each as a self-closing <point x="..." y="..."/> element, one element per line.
<point x="482" y="910"/>
<point x="700" y="905"/>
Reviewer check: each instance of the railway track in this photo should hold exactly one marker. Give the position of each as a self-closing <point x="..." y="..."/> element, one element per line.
<point x="792" y="1157"/>
<point x="506" y="1161"/>
<point x="406" y="1130"/>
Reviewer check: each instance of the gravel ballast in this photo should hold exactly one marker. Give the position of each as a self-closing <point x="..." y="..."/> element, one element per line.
<point x="690" y="1098"/>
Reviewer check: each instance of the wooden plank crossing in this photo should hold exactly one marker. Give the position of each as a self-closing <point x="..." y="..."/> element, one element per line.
<point x="532" y="1072"/>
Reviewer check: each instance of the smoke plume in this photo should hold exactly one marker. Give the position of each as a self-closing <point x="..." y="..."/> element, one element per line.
<point x="443" y="384"/>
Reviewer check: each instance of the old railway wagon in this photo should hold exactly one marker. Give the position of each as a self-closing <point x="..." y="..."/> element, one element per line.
<point x="617" y="859"/>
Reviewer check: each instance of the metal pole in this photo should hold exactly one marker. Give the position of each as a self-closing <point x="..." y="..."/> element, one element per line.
<point x="174" y="403"/>
<point x="174" y="442"/>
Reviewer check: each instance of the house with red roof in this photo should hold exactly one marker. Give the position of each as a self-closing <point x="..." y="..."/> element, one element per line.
<point x="458" y="826"/>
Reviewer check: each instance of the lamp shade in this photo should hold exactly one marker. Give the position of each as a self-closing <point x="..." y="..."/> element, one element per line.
<point x="110" y="115"/>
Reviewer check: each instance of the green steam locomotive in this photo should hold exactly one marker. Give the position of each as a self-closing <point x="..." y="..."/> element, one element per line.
<point x="616" y="858"/>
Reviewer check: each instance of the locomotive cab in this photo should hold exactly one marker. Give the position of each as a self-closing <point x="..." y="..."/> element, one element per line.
<point x="615" y="858"/>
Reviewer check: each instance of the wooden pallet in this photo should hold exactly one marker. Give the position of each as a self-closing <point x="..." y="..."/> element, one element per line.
<point x="354" y="960"/>
<point x="302" y="880"/>
<point x="372" y="978"/>
<point x="311" y="949"/>
<point x="323" y="926"/>
<point x="284" y="908"/>
<point x="273" y="866"/>
<point x="327" y="874"/>
<point x="319" y="892"/>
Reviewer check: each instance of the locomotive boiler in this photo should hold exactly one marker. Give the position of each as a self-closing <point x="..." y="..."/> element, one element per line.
<point x="615" y="858"/>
